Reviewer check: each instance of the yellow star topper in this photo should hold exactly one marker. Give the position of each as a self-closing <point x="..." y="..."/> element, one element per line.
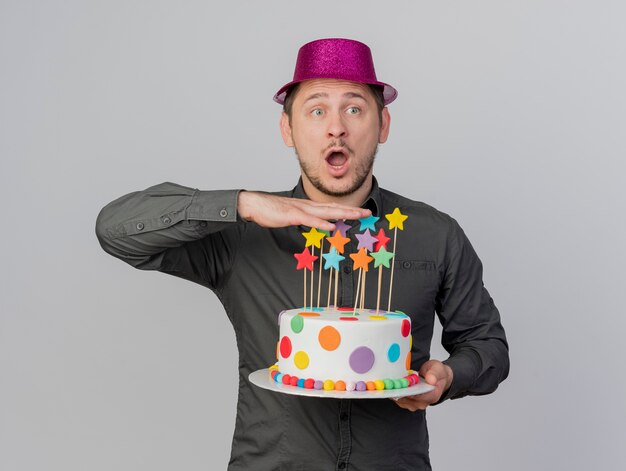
<point x="313" y="237"/>
<point x="396" y="219"/>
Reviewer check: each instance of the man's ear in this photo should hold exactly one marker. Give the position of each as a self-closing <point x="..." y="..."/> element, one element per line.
<point x="285" y="129"/>
<point x="384" y="126"/>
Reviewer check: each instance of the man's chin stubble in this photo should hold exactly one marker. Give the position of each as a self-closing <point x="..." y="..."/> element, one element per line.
<point x="357" y="183"/>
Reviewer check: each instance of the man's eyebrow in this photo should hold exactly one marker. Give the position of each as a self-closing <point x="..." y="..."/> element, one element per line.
<point x="354" y="95"/>
<point x="315" y="96"/>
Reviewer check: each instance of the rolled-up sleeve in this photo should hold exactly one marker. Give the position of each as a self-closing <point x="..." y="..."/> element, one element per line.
<point x="139" y="227"/>
<point x="473" y="334"/>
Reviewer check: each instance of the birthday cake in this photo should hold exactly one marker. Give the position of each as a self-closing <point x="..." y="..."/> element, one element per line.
<point x="344" y="349"/>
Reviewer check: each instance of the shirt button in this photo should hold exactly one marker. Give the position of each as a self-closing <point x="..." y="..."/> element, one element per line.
<point x="342" y="465"/>
<point x="203" y="224"/>
<point x="166" y="220"/>
<point x="140" y="226"/>
<point x="406" y="265"/>
<point x="223" y="212"/>
<point x="347" y="270"/>
<point x="344" y="416"/>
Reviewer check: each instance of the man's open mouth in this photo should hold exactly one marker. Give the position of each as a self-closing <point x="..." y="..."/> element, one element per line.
<point x="336" y="157"/>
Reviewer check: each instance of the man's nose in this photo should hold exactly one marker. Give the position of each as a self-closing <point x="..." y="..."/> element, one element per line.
<point x="336" y="126"/>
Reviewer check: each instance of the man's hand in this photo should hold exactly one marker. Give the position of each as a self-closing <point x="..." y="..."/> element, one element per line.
<point x="435" y="373"/>
<point x="278" y="211"/>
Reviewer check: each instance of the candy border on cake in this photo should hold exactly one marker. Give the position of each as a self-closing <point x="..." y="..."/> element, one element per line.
<point x="329" y="385"/>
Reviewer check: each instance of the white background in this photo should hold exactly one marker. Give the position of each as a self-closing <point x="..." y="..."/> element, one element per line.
<point x="510" y="117"/>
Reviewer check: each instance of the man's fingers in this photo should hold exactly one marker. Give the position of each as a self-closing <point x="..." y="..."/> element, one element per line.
<point x="331" y="211"/>
<point x="277" y="211"/>
<point x="436" y="374"/>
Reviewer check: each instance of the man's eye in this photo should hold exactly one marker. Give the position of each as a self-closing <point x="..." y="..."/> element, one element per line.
<point x="317" y="112"/>
<point x="354" y="110"/>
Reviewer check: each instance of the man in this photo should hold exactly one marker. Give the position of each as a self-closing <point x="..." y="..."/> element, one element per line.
<point x="240" y="244"/>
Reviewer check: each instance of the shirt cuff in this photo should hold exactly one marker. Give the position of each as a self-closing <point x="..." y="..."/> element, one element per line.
<point x="465" y="367"/>
<point x="214" y="205"/>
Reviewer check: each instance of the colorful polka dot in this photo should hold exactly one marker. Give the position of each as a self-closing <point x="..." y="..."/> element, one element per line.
<point x="393" y="353"/>
<point x="395" y="314"/>
<point x="406" y="327"/>
<point x="297" y="323"/>
<point x="378" y="318"/>
<point x="329" y="338"/>
<point x="353" y="318"/>
<point x="301" y="360"/>
<point x="361" y="360"/>
<point x="345" y="309"/>
<point x="408" y="361"/>
<point x="309" y="314"/>
<point x="285" y="347"/>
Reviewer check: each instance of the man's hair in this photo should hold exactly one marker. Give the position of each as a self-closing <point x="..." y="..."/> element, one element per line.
<point x="377" y="92"/>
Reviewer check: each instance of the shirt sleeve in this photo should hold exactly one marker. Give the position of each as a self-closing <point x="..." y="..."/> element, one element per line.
<point x="473" y="334"/>
<point x="169" y="227"/>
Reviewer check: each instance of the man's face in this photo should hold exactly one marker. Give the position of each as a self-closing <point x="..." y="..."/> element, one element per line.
<point x="335" y="129"/>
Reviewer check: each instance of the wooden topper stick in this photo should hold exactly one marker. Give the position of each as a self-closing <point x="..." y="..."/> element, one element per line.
<point x="358" y="291"/>
<point x="304" y="291"/>
<point x="319" y="281"/>
<point x="330" y="284"/>
<point x="336" y="285"/>
<point x="363" y="290"/>
<point x="393" y="263"/>
<point x="380" y="279"/>
<point x="312" y="266"/>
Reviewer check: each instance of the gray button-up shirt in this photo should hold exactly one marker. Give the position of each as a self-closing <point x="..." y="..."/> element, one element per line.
<point x="197" y="235"/>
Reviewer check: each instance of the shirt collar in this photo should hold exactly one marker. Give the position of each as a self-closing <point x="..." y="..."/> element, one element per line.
<point x="373" y="202"/>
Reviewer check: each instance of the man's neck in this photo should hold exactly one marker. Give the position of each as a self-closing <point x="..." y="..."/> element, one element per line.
<point x="355" y="199"/>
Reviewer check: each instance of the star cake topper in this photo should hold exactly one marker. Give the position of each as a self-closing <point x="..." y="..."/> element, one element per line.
<point x="368" y="223"/>
<point x="305" y="259"/>
<point x="313" y="237"/>
<point x="361" y="259"/>
<point x="332" y="259"/>
<point x="396" y="219"/>
<point x="382" y="257"/>
<point x="338" y="241"/>
<point x="366" y="240"/>
<point x="382" y="239"/>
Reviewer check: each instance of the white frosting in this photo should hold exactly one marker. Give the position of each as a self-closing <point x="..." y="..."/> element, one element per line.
<point x="381" y="333"/>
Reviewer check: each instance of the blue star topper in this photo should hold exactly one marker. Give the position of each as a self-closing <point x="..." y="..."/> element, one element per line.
<point x="368" y="223"/>
<point x="332" y="259"/>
